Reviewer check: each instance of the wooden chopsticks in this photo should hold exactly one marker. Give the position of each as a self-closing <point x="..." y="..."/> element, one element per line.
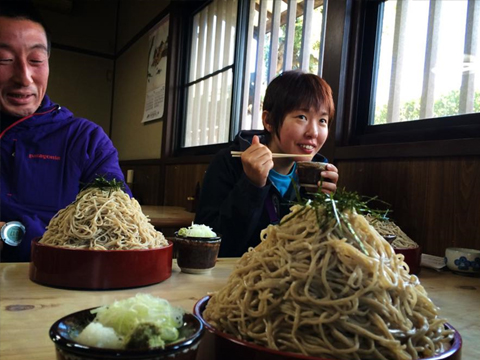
<point x="274" y="155"/>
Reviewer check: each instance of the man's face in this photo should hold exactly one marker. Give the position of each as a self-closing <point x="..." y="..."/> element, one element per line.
<point x="23" y="66"/>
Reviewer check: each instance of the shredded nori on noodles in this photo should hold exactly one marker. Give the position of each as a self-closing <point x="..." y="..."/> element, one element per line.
<point x="334" y="205"/>
<point x="102" y="183"/>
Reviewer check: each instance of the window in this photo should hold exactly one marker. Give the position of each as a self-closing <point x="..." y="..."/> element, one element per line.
<point x="281" y="35"/>
<point x="210" y="79"/>
<point x="428" y="65"/>
<point x="412" y="60"/>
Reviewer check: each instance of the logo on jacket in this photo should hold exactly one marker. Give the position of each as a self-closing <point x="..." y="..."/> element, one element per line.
<point x="44" y="157"/>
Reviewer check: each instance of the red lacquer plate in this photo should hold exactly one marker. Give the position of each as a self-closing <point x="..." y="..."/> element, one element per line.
<point x="217" y="345"/>
<point x="99" y="270"/>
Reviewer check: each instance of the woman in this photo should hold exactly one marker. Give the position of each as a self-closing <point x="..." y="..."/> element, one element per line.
<point x="242" y="196"/>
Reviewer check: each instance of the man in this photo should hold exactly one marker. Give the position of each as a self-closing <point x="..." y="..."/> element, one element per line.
<point x="47" y="154"/>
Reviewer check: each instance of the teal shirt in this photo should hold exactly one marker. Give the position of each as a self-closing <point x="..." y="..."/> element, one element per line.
<point x="282" y="182"/>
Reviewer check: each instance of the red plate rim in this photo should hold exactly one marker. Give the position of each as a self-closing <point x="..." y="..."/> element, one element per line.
<point x="202" y="303"/>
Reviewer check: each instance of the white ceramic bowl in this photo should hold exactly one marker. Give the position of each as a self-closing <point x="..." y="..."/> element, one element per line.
<point x="463" y="260"/>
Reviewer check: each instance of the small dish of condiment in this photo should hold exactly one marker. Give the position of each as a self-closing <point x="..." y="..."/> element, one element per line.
<point x="158" y="331"/>
<point x="197" y="249"/>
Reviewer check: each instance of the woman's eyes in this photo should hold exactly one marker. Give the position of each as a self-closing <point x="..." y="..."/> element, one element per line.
<point x="322" y="120"/>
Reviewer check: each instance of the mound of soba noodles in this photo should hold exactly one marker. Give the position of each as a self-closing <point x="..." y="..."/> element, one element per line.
<point x="388" y="227"/>
<point x="335" y="290"/>
<point x="103" y="218"/>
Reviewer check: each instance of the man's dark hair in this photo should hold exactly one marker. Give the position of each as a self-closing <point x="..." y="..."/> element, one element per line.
<point x="24" y="10"/>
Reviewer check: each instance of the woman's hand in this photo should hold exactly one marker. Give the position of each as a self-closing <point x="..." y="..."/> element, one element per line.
<point x="257" y="162"/>
<point x="330" y="173"/>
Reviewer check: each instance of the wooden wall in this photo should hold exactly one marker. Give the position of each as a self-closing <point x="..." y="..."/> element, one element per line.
<point x="181" y="181"/>
<point x="146" y="181"/>
<point x="159" y="183"/>
<point x="434" y="200"/>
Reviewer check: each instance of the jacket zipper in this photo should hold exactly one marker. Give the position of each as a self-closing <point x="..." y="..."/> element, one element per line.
<point x="26" y="118"/>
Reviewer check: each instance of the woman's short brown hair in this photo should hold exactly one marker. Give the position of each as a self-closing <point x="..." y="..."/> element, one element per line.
<point x="293" y="90"/>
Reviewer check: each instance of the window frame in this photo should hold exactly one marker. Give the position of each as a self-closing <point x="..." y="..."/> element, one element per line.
<point x="348" y="68"/>
<point x="397" y="139"/>
<point x="184" y="21"/>
<point x="183" y="14"/>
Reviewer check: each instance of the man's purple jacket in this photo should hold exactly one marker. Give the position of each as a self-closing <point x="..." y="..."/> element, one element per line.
<point x="46" y="159"/>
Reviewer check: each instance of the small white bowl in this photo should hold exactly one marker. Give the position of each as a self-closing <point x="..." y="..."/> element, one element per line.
<point x="463" y="260"/>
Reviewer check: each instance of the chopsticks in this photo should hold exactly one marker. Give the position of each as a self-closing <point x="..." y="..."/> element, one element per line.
<point x="274" y="155"/>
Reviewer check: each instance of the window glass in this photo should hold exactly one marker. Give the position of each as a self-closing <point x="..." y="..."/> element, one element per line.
<point x="283" y="35"/>
<point x="208" y="110"/>
<point x="209" y="87"/>
<point x="428" y="60"/>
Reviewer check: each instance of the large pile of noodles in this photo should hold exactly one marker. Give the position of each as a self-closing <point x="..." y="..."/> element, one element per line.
<point x="311" y="291"/>
<point x="388" y="227"/>
<point x="103" y="219"/>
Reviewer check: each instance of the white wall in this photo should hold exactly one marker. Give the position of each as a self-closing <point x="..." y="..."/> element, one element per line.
<point x="83" y="84"/>
<point x="133" y="139"/>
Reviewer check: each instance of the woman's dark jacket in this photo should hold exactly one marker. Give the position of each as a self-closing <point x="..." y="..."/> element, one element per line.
<point x="234" y="207"/>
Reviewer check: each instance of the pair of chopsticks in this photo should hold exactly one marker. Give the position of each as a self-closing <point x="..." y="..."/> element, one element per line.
<point x="274" y="155"/>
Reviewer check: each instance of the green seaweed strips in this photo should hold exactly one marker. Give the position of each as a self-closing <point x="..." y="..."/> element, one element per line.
<point x="102" y="183"/>
<point x="333" y="209"/>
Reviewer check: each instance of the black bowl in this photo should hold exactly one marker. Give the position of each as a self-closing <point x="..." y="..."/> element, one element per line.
<point x="66" y="348"/>
<point x="196" y="255"/>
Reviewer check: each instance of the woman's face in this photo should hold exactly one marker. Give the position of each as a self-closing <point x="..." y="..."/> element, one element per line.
<point x="303" y="131"/>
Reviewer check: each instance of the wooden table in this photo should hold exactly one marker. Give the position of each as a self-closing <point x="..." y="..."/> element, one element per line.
<point x="168" y="216"/>
<point x="28" y="309"/>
